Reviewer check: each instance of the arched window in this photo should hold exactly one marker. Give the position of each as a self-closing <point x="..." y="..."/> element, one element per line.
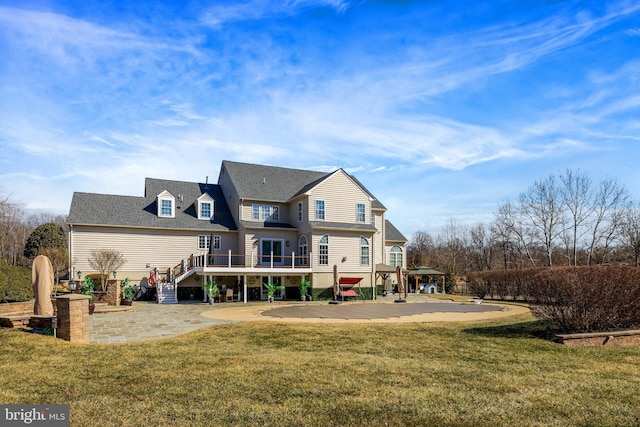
<point x="395" y="256"/>
<point x="364" y="251"/>
<point x="323" y="250"/>
<point x="303" y="249"/>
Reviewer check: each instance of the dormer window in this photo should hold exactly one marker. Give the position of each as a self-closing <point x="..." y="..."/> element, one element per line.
<point x="166" y="205"/>
<point x="205" y="207"/>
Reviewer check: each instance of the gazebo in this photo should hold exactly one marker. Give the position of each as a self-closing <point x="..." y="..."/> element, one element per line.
<point x="429" y="273"/>
<point x="384" y="271"/>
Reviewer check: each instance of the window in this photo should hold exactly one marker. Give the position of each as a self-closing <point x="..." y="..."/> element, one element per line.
<point x="205" y="241"/>
<point x="360" y="212"/>
<point x="300" y="212"/>
<point x="320" y="209"/>
<point x="265" y="213"/>
<point x="205" y="210"/>
<point x="270" y="247"/>
<point x="323" y="250"/>
<point x="303" y="248"/>
<point x="395" y="256"/>
<point x="166" y="207"/>
<point x="364" y="251"/>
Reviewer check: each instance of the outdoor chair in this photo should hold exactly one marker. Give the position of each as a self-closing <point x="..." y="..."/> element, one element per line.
<point x="229" y="295"/>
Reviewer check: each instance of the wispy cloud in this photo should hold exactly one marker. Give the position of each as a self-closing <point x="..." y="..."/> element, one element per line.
<point x="254" y="10"/>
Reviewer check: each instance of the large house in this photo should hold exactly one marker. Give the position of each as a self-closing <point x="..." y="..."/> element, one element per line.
<point x="259" y="224"/>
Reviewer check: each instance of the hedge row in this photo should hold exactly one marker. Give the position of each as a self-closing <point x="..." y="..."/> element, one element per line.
<point x="573" y="299"/>
<point x="15" y="283"/>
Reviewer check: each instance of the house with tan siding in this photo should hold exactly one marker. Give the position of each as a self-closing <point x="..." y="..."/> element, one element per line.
<point x="259" y="224"/>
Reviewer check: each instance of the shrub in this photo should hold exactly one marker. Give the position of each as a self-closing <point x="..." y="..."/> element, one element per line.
<point x="15" y="284"/>
<point x="585" y="299"/>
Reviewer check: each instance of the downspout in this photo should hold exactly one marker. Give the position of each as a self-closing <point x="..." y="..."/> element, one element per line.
<point x="71" y="266"/>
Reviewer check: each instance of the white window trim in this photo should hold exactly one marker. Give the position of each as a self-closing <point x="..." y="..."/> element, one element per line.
<point x="202" y="200"/>
<point x="363" y="213"/>
<point x="320" y="254"/>
<point x="362" y="246"/>
<point x="267" y="213"/>
<point x="166" y="196"/>
<point x="207" y="239"/>
<point x="317" y="211"/>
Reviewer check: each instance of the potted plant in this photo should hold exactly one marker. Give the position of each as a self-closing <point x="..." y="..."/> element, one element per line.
<point x="211" y="288"/>
<point x="128" y="291"/>
<point x="271" y="290"/>
<point x="88" y="289"/>
<point x="304" y="288"/>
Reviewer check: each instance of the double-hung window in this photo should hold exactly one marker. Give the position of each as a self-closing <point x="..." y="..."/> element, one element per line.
<point x="166" y="205"/>
<point x="320" y="209"/>
<point x="360" y="212"/>
<point x="300" y="212"/>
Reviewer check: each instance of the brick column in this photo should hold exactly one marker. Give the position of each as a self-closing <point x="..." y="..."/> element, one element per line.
<point x="73" y="317"/>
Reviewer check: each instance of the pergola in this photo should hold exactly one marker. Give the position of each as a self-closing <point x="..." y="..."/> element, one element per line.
<point x="429" y="272"/>
<point x="384" y="271"/>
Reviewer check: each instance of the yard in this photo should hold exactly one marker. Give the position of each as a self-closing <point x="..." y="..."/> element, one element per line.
<point x="266" y="374"/>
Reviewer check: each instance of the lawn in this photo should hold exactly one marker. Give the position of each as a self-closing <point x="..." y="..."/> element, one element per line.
<point x="267" y="374"/>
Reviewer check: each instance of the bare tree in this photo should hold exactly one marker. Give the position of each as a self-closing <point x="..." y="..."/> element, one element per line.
<point x="609" y="206"/>
<point x="631" y="233"/>
<point x="481" y="245"/>
<point x="13" y="233"/>
<point x="541" y="206"/>
<point x="105" y="261"/>
<point x="454" y="244"/>
<point x="576" y="195"/>
<point x="511" y="232"/>
<point x="421" y="249"/>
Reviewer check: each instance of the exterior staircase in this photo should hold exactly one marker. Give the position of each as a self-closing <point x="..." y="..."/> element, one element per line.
<point x="167" y="292"/>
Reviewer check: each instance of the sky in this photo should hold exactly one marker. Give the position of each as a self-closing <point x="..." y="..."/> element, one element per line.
<point x="442" y="109"/>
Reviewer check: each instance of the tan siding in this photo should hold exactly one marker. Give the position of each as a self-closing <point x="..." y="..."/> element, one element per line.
<point x="159" y="248"/>
<point x="341" y="195"/>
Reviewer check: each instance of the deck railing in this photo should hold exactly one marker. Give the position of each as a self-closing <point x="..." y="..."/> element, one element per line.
<point x="241" y="261"/>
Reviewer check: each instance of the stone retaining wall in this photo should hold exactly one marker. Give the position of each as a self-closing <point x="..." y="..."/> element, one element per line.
<point x="597" y="339"/>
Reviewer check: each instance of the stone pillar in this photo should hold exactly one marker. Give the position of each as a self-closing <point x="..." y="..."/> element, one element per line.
<point x="113" y="292"/>
<point x="73" y="317"/>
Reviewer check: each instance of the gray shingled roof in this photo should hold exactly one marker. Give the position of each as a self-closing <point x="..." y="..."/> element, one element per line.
<point x="128" y="211"/>
<point x="277" y="184"/>
<point x="392" y="233"/>
<point x="269" y="183"/>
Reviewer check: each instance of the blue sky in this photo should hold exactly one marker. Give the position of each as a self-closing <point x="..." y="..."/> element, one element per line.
<point x="443" y="109"/>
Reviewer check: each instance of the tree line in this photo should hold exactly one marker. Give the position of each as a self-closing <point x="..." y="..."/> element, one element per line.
<point x="562" y="219"/>
<point x="17" y="239"/>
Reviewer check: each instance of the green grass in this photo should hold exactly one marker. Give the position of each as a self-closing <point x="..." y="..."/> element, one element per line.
<point x="266" y="374"/>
